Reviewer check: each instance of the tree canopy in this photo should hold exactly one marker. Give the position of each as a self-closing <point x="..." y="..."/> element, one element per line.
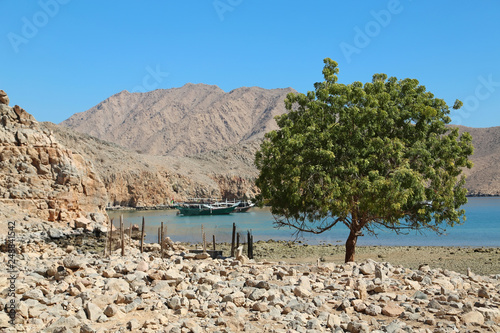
<point x="373" y="155"/>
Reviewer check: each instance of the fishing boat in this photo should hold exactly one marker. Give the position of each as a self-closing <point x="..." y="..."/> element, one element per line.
<point x="208" y="207"/>
<point x="244" y="206"/>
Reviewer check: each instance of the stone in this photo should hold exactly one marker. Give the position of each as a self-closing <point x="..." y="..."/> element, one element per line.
<point x="391" y="309"/>
<point x="92" y="311"/>
<point x="4" y="320"/>
<point x="201" y="256"/>
<point x="111" y="310"/>
<point x="73" y="262"/>
<point x="472" y="317"/>
<point x="361" y="288"/>
<point x="173" y="274"/>
<point x="142" y="266"/>
<point x="238" y="298"/>
<point x="433" y="304"/>
<point x="379" y="273"/>
<point x="174" y="303"/>
<point x="395" y="327"/>
<point x="258" y="294"/>
<point x="82" y="222"/>
<point x="260" y="307"/>
<point x="333" y="321"/>
<point x="86" y="328"/>
<point x="367" y="269"/>
<point x="100" y="218"/>
<point x="55" y="233"/>
<point x="133" y="325"/>
<point x="483" y="293"/>
<point x="358" y="327"/>
<point x="301" y="292"/>
<point x="373" y="310"/>
<point x="116" y="285"/>
<point x="68" y="323"/>
<point x="420" y="295"/>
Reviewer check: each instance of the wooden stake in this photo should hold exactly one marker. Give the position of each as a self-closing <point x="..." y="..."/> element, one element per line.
<point x="238" y="240"/>
<point x="204" y="243"/>
<point x="121" y="235"/>
<point x="130" y="235"/>
<point x="232" y="241"/>
<point x="159" y="236"/>
<point x="162" y="237"/>
<point x="213" y="237"/>
<point x="142" y="235"/>
<point x="250" y="245"/>
<point x="202" y="232"/>
<point x="110" y="236"/>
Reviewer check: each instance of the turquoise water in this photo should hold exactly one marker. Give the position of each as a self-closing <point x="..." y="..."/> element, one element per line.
<point x="482" y="228"/>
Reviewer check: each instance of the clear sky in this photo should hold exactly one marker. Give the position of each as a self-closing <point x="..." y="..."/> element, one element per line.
<point x="60" y="57"/>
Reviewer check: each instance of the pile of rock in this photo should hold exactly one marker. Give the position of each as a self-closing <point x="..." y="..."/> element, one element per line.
<point x="39" y="176"/>
<point x="61" y="290"/>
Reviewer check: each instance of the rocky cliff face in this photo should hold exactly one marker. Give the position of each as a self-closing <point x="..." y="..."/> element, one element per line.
<point x="42" y="178"/>
<point x="138" y="180"/>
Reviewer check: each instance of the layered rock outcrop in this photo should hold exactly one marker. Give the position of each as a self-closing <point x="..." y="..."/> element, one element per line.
<point x="40" y="177"/>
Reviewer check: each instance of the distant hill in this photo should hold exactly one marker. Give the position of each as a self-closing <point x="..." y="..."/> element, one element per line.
<point x="182" y="121"/>
<point x="484" y="177"/>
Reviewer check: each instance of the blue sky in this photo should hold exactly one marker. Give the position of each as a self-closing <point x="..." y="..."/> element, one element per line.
<point x="60" y="57"/>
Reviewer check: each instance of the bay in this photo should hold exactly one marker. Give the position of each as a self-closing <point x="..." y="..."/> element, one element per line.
<point x="482" y="228"/>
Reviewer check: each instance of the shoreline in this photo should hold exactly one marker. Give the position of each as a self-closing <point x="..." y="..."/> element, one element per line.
<point x="480" y="260"/>
<point x="170" y="207"/>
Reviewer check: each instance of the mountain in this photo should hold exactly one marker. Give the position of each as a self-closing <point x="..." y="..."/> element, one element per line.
<point x="182" y="121"/>
<point x="484" y="177"/>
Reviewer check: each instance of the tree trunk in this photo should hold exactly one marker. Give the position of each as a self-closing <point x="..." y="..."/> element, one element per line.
<point x="350" y="245"/>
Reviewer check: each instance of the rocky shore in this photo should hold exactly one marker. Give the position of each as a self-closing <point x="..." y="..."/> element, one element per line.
<point x="70" y="288"/>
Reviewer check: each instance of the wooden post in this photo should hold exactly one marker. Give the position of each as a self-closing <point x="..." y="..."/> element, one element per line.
<point x="162" y="237"/>
<point x="110" y="236"/>
<point x="130" y="235"/>
<point x="250" y="245"/>
<point x="204" y="243"/>
<point x="232" y="241"/>
<point x="251" y="240"/>
<point x="142" y="235"/>
<point x="121" y="235"/>
<point x="213" y="236"/>
<point x="237" y="240"/>
<point x="159" y="236"/>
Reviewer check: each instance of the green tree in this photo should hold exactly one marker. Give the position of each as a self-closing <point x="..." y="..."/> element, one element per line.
<point x="370" y="156"/>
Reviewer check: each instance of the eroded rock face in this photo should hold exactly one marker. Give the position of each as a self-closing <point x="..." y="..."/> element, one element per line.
<point x="40" y="176"/>
<point x="4" y="99"/>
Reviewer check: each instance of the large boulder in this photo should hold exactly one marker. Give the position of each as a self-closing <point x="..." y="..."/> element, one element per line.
<point x="4" y="99"/>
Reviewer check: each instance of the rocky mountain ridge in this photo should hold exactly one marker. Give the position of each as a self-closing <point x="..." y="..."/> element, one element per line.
<point x="182" y="121"/>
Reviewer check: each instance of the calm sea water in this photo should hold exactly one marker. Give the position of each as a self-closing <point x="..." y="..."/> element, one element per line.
<point x="482" y="228"/>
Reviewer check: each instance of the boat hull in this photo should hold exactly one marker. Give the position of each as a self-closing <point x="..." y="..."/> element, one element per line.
<point x="192" y="211"/>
